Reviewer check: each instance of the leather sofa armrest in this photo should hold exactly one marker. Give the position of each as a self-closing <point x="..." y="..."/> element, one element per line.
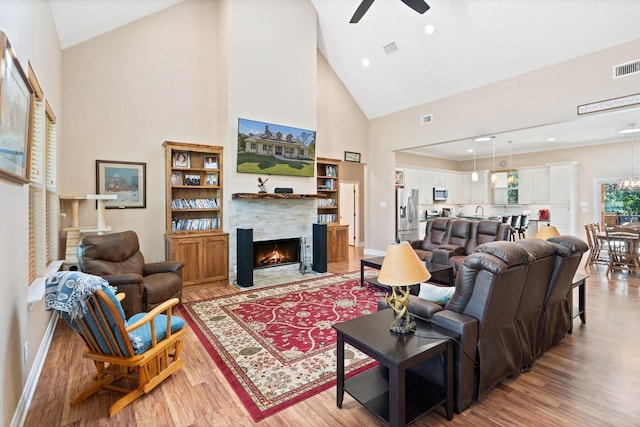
<point x="123" y="279"/>
<point x="442" y="253"/>
<point x="162" y="267"/>
<point x="465" y="354"/>
<point x="423" y="308"/>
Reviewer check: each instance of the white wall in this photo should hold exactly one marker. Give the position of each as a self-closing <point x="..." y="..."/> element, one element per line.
<point x="542" y="97"/>
<point x="30" y="29"/>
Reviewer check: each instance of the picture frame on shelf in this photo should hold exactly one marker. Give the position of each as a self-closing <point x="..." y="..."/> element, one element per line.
<point x="126" y="180"/>
<point x="212" y="178"/>
<point x="176" y="178"/>
<point x="181" y="159"/>
<point x="16" y="107"/>
<point x="210" y="161"/>
<point x="350" y="156"/>
<point x="190" y="179"/>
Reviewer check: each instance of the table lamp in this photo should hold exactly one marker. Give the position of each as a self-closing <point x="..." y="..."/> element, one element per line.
<point x="548" y="231"/>
<point x="400" y="269"/>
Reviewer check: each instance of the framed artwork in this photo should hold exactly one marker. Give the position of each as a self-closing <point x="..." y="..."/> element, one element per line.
<point x="210" y="162"/>
<point x="15" y="115"/>
<point x="181" y="159"/>
<point x="127" y="180"/>
<point x="176" y="178"/>
<point x="212" y="178"/>
<point x="350" y="156"/>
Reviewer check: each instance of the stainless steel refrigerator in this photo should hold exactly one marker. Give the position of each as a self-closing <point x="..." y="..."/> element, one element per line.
<point x="407" y="218"/>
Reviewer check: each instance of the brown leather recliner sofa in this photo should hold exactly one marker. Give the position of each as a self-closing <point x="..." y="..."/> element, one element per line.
<point x="511" y="303"/>
<point x="117" y="258"/>
<point x="448" y="241"/>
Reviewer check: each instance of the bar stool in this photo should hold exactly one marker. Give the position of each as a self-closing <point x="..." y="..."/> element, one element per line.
<point x="515" y="226"/>
<point x="524" y="223"/>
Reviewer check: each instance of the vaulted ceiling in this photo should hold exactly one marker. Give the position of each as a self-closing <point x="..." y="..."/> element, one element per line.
<point x="473" y="43"/>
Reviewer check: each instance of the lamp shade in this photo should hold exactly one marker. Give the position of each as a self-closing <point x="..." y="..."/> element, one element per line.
<point x="545" y="232"/>
<point x="402" y="267"/>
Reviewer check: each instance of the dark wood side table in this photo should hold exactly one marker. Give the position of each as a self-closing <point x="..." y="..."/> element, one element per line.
<point x="579" y="281"/>
<point x="403" y="395"/>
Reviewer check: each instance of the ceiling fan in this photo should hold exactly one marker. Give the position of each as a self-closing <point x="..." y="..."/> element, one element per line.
<point x="419" y="6"/>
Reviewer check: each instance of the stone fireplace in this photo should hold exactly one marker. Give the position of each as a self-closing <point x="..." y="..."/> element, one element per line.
<point x="272" y="219"/>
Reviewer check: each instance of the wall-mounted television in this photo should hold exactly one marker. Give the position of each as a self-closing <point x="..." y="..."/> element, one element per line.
<point x="271" y="149"/>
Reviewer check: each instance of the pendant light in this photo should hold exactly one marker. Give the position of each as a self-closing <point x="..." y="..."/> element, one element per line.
<point x="632" y="183"/>
<point x="494" y="175"/>
<point x="474" y="174"/>
<point x="510" y="178"/>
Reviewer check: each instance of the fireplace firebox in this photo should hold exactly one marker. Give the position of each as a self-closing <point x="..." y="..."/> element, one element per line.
<point x="271" y="253"/>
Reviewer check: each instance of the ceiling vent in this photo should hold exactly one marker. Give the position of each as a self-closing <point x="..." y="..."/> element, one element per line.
<point x="426" y="119"/>
<point x="626" y="69"/>
<point x="390" y="48"/>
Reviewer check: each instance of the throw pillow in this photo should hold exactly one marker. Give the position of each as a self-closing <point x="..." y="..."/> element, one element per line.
<point x="437" y="294"/>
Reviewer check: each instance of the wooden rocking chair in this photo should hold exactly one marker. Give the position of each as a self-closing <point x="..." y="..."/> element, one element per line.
<point x="139" y="353"/>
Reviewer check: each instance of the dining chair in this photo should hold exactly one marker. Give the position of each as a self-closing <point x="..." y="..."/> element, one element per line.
<point x="623" y="249"/>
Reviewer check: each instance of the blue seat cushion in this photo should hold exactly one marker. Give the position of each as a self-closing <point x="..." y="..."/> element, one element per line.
<point x="141" y="337"/>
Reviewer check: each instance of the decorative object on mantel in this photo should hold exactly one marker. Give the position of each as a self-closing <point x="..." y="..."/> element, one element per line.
<point x="350" y="156"/>
<point x="283" y="190"/>
<point x="261" y="183"/>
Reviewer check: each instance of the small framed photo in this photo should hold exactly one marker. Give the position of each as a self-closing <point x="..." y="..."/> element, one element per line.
<point x="212" y="178"/>
<point x="176" y="178"/>
<point x="192" y="179"/>
<point x="181" y="159"/>
<point x="210" y="162"/>
<point x="350" y="156"/>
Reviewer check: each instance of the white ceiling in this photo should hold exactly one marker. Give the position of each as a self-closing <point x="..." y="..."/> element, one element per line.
<point x="475" y="43"/>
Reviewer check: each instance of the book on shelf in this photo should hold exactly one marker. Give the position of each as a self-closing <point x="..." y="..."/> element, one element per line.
<point x="195" y="203"/>
<point x="330" y="183"/>
<point x="195" y="224"/>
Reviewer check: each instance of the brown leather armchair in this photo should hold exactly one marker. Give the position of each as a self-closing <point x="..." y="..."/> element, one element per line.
<point x="117" y="258"/>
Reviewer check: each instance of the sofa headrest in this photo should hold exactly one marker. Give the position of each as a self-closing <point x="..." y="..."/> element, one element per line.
<point x="440" y="223"/>
<point x="573" y="244"/>
<point x="508" y="252"/>
<point x="488" y="227"/>
<point x="538" y="248"/>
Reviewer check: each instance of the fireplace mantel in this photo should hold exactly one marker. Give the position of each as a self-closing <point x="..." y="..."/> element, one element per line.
<point x="250" y="196"/>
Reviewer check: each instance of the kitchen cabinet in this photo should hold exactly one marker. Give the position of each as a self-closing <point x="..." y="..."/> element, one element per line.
<point x="533" y="186"/>
<point x="563" y="182"/>
<point x="478" y="190"/>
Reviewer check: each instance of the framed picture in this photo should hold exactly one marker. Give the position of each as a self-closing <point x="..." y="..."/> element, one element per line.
<point x="210" y="162"/>
<point x="176" y="178"/>
<point x="192" y="179"/>
<point x="127" y="180"/>
<point x="350" y="156"/>
<point x="212" y="178"/>
<point x="181" y="159"/>
<point x="15" y="117"/>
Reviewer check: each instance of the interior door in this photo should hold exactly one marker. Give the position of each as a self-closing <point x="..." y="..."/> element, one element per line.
<point x="348" y="209"/>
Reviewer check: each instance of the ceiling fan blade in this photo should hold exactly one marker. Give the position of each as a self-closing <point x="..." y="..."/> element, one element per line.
<point x="419" y="6"/>
<point x="360" y="11"/>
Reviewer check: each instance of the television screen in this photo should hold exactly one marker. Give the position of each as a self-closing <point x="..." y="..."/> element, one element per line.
<point x="270" y="149"/>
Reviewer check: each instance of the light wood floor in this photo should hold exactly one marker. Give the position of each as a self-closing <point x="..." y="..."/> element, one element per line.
<point x="592" y="378"/>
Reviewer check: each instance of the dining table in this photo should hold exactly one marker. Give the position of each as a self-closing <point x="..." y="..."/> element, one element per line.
<point x="623" y="246"/>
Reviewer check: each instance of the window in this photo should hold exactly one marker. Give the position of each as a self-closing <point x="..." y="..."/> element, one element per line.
<point x="43" y="235"/>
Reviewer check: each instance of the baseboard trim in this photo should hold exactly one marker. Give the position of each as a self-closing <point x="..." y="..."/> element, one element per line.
<point x="20" y="414"/>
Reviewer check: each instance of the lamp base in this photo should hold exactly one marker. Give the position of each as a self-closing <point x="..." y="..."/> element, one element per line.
<point x="403" y="325"/>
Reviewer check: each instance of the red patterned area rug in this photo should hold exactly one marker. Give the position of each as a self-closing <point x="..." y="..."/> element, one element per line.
<point x="275" y="345"/>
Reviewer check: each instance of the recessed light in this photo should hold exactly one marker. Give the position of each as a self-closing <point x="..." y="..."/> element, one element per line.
<point x="631" y="130"/>
<point x="366" y="62"/>
<point x="483" y="139"/>
<point x="469" y="150"/>
<point x="551" y="139"/>
<point x="429" y="29"/>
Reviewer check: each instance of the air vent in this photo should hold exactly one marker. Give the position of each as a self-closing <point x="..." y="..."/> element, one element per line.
<point x="426" y="119"/>
<point x="626" y="69"/>
<point x="390" y="48"/>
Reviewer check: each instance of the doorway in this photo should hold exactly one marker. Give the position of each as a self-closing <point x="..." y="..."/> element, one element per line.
<point x="350" y="209"/>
